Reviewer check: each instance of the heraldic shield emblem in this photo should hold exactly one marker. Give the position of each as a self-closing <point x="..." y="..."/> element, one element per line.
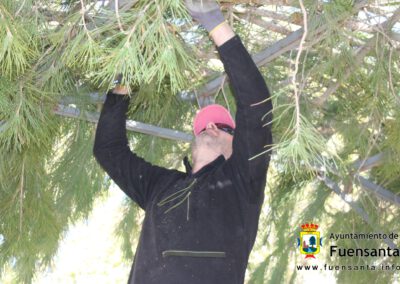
<point x="310" y="240"/>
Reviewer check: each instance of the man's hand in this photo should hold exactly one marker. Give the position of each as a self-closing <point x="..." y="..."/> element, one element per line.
<point x="206" y="12"/>
<point x="120" y="90"/>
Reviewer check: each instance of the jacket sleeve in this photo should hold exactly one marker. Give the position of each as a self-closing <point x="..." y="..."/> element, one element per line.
<point x="253" y="117"/>
<point x="136" y="177"/>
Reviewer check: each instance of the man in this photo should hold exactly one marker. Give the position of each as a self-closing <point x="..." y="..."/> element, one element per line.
<point x="199" y="226"/>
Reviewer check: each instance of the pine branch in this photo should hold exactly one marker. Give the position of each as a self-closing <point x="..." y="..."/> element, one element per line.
<point x="61" y="66"/>
<point x="21" y="194"/>
<point x="265" y="56"/>
<point x="274" y="51"/>
<point x="261" y="2"/>
<point x="271" y="26"/>
<point x="297" y="93"/>
<point x="17" y="44"/>
<point x="268" y="13"/>
<point x="361" y="53"/>
<point x="296" y="18"/>
<point x="121" y="5"/>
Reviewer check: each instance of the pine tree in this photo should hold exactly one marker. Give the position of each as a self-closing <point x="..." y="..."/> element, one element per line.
<point x="332" y="67"/>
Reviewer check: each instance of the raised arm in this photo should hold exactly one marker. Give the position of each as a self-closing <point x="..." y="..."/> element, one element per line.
<point x="136" y="177"/>
<point x="253" y="117"/>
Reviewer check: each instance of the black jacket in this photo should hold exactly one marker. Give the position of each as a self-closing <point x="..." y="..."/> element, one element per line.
<point x="198" y="228"/>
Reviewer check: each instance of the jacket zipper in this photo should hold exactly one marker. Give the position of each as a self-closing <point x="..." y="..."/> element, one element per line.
<point x="188" y="206"/>
<point x="193" y="253"/>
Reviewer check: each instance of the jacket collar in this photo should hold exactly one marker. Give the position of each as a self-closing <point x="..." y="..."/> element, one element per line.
<point x="187" y="164"/>
<point x="211" y="165"/>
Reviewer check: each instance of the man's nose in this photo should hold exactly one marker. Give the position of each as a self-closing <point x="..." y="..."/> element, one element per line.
<point x="211" y="125"/>
<point x="212" y="129"/>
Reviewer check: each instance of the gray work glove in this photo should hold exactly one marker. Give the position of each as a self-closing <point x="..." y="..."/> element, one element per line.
<point x="206" y="12"/>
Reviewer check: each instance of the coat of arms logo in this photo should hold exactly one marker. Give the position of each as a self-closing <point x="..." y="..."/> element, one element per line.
<point x="310" y="240"/>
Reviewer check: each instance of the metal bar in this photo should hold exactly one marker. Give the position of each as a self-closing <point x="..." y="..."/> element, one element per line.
<point x="93" y="98"/>
<point x="359" y="210"/>
<point x="130" y="124"/>
<point x="367" y="164"/>
<point x="2" y="125"/>
<point x="378" y="190"/>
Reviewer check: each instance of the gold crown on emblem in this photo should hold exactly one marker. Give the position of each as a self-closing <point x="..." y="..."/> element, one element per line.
<point x="309" y="227"/>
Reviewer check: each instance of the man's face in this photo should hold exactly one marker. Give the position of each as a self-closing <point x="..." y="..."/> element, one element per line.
<point x="212" y="142"/>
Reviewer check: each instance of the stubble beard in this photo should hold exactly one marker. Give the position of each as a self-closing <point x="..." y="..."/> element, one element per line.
<point x="206" y="141"/>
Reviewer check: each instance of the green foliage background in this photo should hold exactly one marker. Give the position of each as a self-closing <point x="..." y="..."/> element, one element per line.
<point x="346" y="111"/>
